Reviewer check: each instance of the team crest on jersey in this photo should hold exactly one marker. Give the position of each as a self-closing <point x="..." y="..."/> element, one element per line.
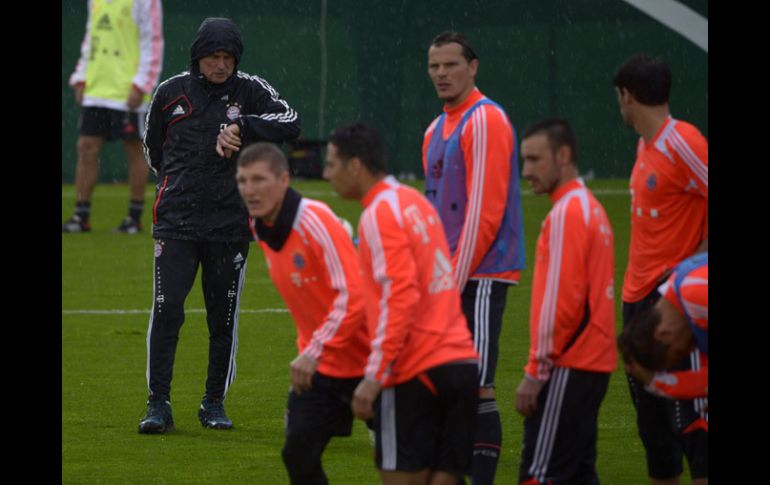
<point x="298" y="260"/>
<point x="158" y="248"/>
<point x="652" y="182"/>
<point x="233" y="111"/>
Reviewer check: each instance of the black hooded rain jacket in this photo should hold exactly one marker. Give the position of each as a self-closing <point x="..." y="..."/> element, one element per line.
<point x="197" y="197"/>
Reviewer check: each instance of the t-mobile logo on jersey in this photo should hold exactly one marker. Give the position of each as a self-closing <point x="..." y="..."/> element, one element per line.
<point x="418" y="222"/>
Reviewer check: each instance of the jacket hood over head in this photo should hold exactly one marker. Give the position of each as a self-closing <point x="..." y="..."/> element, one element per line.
<point x="215" y="34"/>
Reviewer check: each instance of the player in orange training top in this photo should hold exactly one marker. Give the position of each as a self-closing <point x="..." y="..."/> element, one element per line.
<point x="420" y="380"/>
<point x="314" y="266"/>
<point x="669" y="222"/>
<point x="572" y="316"/>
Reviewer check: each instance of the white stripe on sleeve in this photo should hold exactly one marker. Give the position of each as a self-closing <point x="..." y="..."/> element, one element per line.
<point x="318" y="231"/>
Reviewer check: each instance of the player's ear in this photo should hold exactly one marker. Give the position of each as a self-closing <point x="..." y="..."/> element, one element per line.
<point x="563" y="155"/>
<point x="624" y="95"/>
<point x="354" y="165"/>
<point x="284" y="178"/>
<point x="474" y="66"/>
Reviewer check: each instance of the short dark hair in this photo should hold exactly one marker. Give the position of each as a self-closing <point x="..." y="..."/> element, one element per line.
<point x="648" y="79"/>
<point x="558" y="132"/>
<point x="451" y="36"/>
<point x="363" y="141"/>
<point x="637" y="340"/>
<point x="264" y="152"/>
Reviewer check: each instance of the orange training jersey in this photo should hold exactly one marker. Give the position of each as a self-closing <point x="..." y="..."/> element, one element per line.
<point x="487" y="142"/>
<point x="317" y="274"/>
<point x="572" y="315"/>
<point x="669" y="205"/>
<point x="412" y="304"/>
<point x="682" y="384"/>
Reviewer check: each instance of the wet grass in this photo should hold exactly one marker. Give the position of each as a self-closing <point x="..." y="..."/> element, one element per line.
<point x="104" y="364"/>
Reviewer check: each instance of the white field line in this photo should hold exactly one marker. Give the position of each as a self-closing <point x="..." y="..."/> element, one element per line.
<point x="147" y="311"/>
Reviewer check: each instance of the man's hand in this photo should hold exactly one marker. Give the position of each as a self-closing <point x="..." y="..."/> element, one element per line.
<point x="135" y="98"/>
<point x="79" y="88"/>
<point x="526" y="396"/>
<point x="363" y="399"/>
<point x="302" y="370"/>
<point x="229" y="140"/>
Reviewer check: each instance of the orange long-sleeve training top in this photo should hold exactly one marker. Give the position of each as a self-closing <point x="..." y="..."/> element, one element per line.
<point x="318" y="275"/>
<point x="572" y="315"/>
<point x="412" y="304"/>
<point x="669" y="205"/>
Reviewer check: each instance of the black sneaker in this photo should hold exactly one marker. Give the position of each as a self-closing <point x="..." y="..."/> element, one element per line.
<point x="75" y="224"/>
<point x="212" y="414"/>
<point x="158" y="418"/>
<point x="129" y="226"/>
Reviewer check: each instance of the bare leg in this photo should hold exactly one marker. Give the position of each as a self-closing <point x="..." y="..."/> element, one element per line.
<point x="405" y="478"/>
<point x="87" y="170"/>
<point x="137" y="168"/>
<point x="443" y="478"/>
<point x="486" y="392"/>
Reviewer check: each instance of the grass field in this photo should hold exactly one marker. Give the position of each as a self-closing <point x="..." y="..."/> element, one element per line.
<point x="106" y="296"/>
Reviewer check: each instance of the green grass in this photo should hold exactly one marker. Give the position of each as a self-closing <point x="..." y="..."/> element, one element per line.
<point x="104" y="363"/>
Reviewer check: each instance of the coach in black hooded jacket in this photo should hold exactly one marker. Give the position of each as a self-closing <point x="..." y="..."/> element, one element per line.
<point x="198" y="215"/>
<point x="197" y="196"/>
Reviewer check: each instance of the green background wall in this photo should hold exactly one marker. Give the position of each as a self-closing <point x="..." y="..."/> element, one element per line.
<point x="538" y="58"/>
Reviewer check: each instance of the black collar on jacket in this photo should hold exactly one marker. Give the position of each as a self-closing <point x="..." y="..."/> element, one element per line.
<point x="275" y="236"/>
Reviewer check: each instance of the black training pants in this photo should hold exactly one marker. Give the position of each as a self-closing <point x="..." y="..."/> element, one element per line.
<point x="223" y="272"/>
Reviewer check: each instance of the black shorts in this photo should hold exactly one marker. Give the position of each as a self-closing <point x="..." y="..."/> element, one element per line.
<point x="323" y="410"/>
<point x="428" y="422"/>
<point x="560" y="436"/>
<point x="483" y="304"/>
<point x="661" y="421"/>
<point x="111" y="124"/>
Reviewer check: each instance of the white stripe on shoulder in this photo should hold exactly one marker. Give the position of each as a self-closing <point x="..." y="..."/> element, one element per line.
<point x="181" y="74"/>
<point x="694" y="280"/>
<point x="698" y="167"/>
<point x="318" y="205"/>
<point x="391" y="198"/>
<point x="262" y="82"/>
<point x="581" y="194"/>
<point x="660" y="143"/>
<point x="303" y="203"/>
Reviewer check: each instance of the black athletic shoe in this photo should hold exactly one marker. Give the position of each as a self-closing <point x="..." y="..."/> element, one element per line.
<point x="75" y="224"/>
<point x="158" y="418"/>
<point x="212" y="415"/>
<point x="129" y="226"/>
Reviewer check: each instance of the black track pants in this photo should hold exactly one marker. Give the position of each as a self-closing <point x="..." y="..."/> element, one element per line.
<point x="223" y="273"/>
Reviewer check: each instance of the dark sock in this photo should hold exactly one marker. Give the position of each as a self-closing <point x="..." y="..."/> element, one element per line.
<point x="135" y="209"/>
<point x="83" y="210"/>
<point x="487" y="443"/>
